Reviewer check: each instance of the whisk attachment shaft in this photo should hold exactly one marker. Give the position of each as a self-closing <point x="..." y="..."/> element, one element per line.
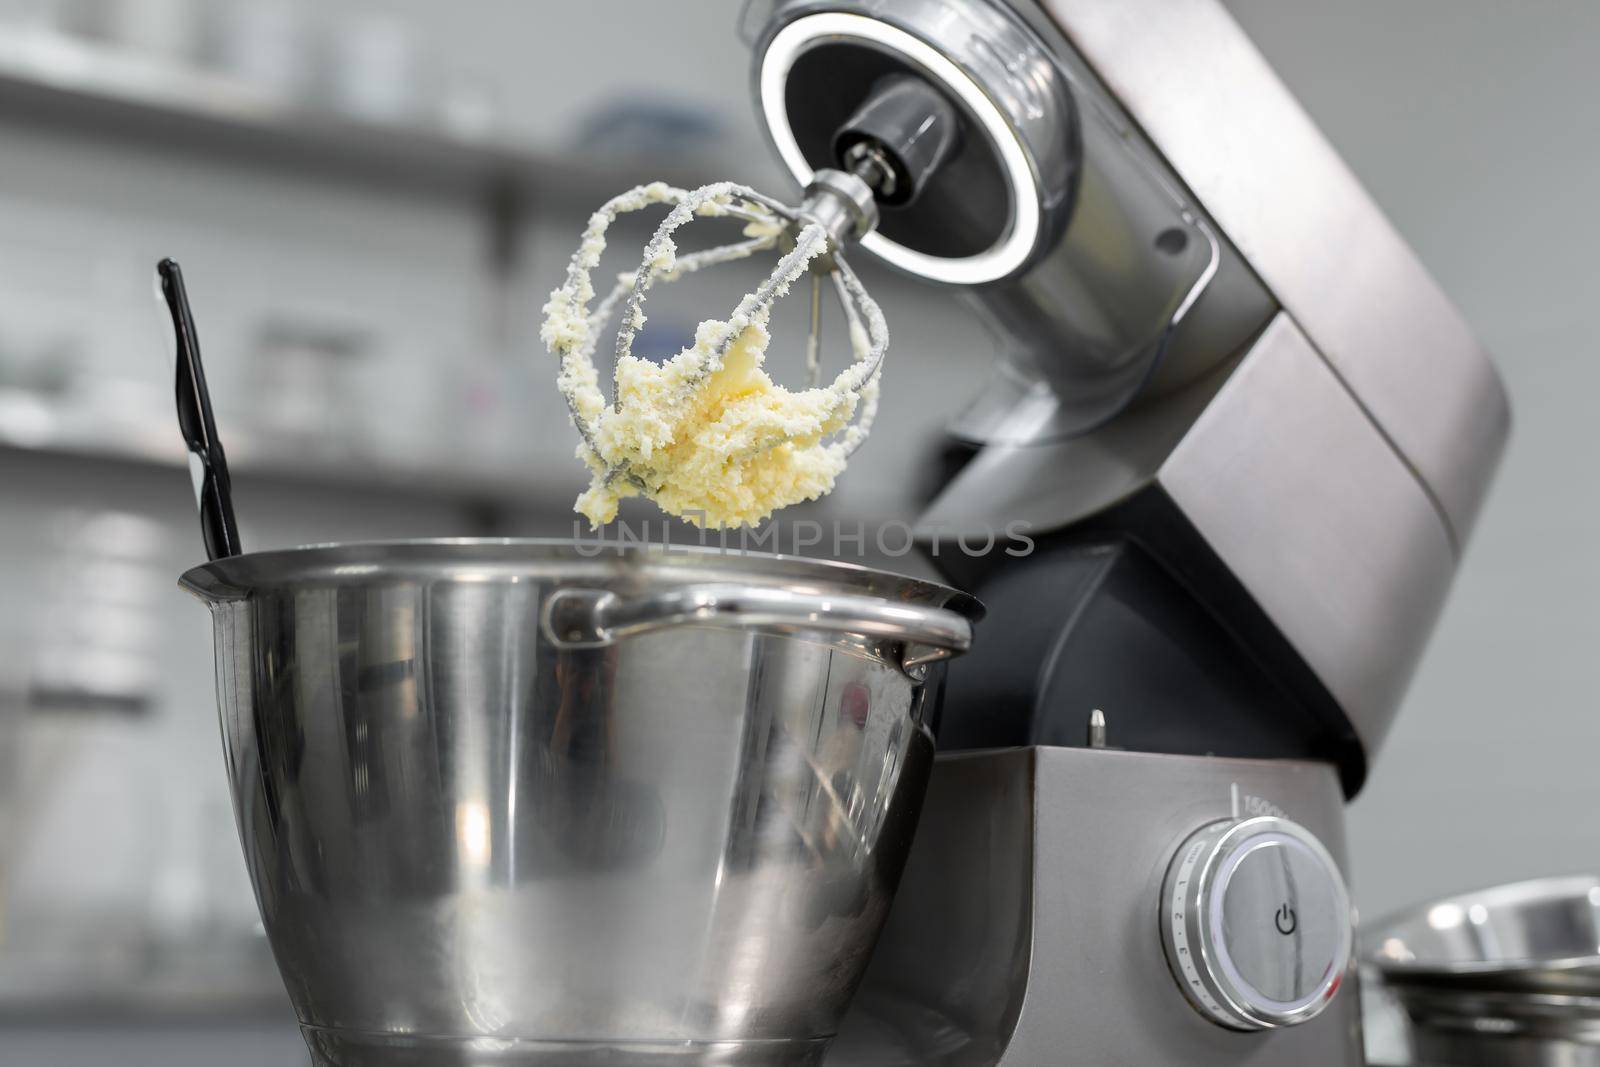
<point x="842" y="204"/>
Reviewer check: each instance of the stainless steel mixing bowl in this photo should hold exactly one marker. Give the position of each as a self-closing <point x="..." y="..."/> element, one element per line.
<point x="506" y="803"/>
<point x="1502" y="977"/>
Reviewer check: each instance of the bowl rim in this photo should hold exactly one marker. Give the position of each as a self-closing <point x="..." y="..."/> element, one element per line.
<point x="353" y="562"/>
<point x="1550" y="888"/>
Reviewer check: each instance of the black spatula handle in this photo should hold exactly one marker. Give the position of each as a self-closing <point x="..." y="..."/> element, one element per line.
<point x="209" y="466"/>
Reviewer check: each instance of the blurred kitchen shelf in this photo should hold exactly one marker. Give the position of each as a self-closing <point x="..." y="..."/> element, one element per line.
<point x="63" y="82"/>
<point x="145" y="998"/>
<point x="193" y="984"/>
<point x="157" y="444"/>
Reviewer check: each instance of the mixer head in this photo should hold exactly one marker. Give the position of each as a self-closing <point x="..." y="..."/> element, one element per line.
<point x="1082" y="256"/>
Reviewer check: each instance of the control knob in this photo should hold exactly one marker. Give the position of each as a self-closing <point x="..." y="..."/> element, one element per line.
<point x="1256" y="922"/>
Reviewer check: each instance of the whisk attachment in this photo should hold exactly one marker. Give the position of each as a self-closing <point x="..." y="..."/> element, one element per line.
<point x="707" y="435"/>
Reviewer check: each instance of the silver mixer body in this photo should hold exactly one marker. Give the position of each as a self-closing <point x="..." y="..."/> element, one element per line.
<point x="1251" y="436"/>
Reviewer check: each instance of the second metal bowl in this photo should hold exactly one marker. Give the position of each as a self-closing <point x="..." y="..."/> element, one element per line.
<point x="1503" y="977"/>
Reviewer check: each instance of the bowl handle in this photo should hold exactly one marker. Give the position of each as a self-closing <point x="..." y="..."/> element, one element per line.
<point x="593" y="618"/>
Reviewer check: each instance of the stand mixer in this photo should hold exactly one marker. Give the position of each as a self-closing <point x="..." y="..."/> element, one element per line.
<point x="507" y="804"/>
<point x="1250" y="436"/>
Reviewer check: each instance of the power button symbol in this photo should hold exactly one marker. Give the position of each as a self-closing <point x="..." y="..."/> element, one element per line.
<point x="1285" y="920"/>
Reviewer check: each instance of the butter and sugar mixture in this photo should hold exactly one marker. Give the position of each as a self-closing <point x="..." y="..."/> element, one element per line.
<point x="707" y="434"/>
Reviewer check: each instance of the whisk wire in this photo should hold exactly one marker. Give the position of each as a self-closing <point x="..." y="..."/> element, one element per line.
<point x="769" y="223"/>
